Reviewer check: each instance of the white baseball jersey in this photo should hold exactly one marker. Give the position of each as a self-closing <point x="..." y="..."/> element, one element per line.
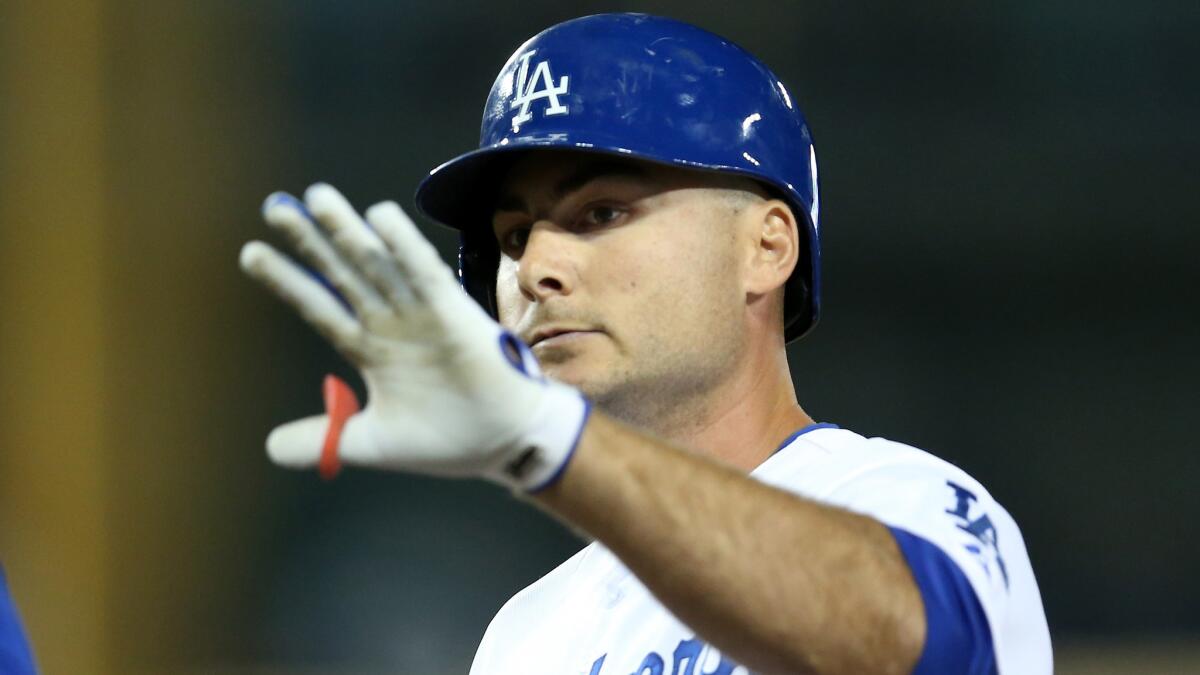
<point x="591" y="616"/>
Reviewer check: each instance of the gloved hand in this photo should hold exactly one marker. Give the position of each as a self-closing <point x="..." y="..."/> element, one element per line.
<point x="449" y="392"/>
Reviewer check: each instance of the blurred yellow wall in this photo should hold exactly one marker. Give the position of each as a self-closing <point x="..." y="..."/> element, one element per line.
<point x="126" y="130"/>
<point x="55" y="494"/>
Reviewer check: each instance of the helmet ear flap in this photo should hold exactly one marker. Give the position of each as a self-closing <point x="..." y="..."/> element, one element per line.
<point x="796" y="312"/>
<point x="478" y="263"/>
<point x="798" y="298"/>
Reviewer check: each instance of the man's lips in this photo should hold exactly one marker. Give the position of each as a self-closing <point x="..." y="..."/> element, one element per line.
<point x="556" y="334"/>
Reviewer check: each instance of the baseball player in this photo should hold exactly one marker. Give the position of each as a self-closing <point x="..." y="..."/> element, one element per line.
<point x="640" y="239"/>
<point x="15" y="656"/>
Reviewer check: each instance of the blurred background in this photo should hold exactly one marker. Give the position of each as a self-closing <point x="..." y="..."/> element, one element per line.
<point x="1010" y="205"/>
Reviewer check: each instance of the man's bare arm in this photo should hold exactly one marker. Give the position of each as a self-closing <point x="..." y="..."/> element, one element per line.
<point x="780" y="583"/>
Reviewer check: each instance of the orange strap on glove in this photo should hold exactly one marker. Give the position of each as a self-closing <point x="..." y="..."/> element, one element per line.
<point x="340" y="405"/>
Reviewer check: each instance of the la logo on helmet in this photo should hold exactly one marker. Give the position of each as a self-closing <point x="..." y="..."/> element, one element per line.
<point x="530" y="89"/>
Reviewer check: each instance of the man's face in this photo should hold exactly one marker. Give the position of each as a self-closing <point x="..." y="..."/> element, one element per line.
<point x="622" y="275"/>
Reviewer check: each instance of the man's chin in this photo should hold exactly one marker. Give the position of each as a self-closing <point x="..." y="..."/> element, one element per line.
<point x="570" y="371"/>
<point x="582" y="371"/>
<point x="583" y="362"/>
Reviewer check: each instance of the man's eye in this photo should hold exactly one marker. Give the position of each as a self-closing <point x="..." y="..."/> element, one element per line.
<point x="515" y="239"/>
<point x="601" y="215"/>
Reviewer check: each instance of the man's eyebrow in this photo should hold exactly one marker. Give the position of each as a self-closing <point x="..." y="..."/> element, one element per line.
<point x="576" y="180"/>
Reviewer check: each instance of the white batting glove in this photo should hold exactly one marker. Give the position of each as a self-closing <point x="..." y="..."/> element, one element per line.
<point x="450" y="392"/>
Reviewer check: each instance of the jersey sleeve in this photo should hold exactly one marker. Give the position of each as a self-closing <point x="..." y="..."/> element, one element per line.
<point x="967" y="558"/>
<point x="15" y="655"/>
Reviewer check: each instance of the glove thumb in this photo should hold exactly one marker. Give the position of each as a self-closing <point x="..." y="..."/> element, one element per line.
<point x="298" y="444"/>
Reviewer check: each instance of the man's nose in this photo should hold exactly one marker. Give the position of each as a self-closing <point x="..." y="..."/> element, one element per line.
<point x="548" y="264"/>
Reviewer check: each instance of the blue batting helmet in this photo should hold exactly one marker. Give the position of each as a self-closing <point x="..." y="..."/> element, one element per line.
<point x="637" y="86"/>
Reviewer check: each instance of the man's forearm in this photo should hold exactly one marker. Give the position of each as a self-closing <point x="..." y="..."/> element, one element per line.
<point x="777" y="582"/>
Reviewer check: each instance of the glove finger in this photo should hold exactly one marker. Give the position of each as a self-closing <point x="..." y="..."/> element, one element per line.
<point x="287" y="214"/>
<point x="416" y="257"/>
<point x="298" y="444"/>
<point x="355" y="240"/>
<point x="315" y="303"/>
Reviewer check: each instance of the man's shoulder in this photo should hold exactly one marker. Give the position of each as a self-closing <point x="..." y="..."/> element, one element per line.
<point x="537" y="601"/>
<point x="551" y="584"/>
<point x="828" y="458"/>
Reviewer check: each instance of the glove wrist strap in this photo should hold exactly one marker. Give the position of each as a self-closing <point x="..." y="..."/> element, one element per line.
<point x="538" y="459"/>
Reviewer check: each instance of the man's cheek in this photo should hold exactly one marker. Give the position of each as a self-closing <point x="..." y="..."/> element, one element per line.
<point x="509" y="301"/>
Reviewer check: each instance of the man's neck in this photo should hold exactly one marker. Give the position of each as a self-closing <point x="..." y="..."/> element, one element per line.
<point x="743" y="421"/>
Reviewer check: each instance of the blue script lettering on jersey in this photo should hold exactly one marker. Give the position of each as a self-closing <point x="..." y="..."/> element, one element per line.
<point x="685" y="661"/>
<point x="651" y="665"/>
<point x="689" y="651"/>
<point x="981" y="528"/>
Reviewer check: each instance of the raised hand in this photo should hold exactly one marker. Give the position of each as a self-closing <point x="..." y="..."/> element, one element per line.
<point x="449" y="391"/>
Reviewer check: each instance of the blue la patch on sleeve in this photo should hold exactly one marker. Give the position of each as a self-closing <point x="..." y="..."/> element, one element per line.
<point x="978" y="525"/>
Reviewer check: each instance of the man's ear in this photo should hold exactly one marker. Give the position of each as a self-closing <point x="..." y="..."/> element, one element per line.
<point x="775" y="247"/>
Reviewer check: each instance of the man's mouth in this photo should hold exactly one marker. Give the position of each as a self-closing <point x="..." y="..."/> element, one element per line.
<point x="553" y="335"/>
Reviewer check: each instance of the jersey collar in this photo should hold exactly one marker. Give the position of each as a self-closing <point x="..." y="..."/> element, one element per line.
<point x="812" y="427"/>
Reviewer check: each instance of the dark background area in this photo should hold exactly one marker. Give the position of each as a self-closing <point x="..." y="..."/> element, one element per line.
<point x="1009" y="210"/>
